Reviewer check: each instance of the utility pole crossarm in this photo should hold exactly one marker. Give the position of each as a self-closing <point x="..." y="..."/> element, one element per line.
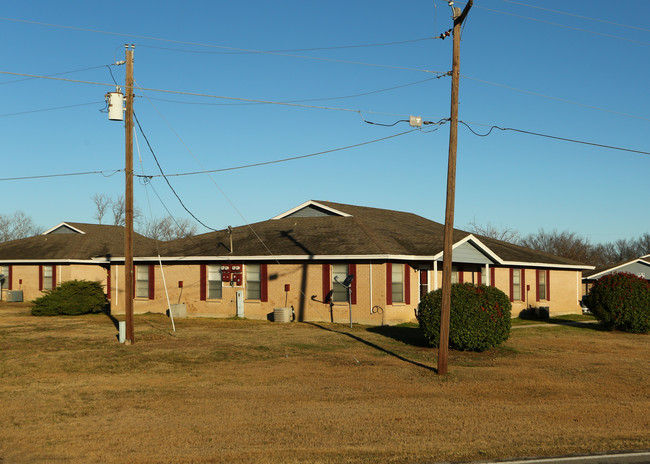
<point x="459" y="20"/>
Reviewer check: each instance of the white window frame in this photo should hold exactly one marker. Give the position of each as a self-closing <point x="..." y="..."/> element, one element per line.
<point x="214" y="286"/>
<point x="48" y="278"/>
<point x="253" y="281"/>
<point x="397" y="285"/>
<point x="339" y="272"/>
<point x="516" y="285"/>
<point x="142" y="283"/>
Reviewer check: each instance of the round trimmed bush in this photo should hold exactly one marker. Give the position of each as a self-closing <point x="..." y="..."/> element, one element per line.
<point x="621" y="301"/>
<point x="71" y="298"/>
<point x="479" y="317"/>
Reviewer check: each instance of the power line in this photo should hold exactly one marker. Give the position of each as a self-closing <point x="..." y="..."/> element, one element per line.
<point x="284" y="160"/>
<point x="104" y="173"/>
<point x="555" y="98"/>
<point x="204" y="95"/>
<point x="51" y="109"/>
<point x="565" y="26"/>
<point x="577" y="16"/>
<point x="311" y="99"/>
<point x="244" y="52"/>
<point x="213" y="46"/>
<point x="162" y="173"/>
<point x="564" y="139"/>
<point x="54" y="74"/>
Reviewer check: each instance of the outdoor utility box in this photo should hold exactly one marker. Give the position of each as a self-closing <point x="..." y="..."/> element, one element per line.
<point x="281" y="314"/>
<point x="14" y="296"/>
<point x="179" y="310"/>
<point x="542" y="312"/>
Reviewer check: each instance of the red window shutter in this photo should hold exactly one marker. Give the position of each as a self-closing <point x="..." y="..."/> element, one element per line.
<point x="203" y="282"/>
<point x="537" y="285"/>
<point x="523" y="285"/>
<point x="548" y="284"/>
<point x="264" y="284"/>
<point x="352" y="269"/>
<point x="389" y="283"/>
<point x="511" y="283"/>
<point x="460" y="277"/>
<point x="492" y="278"/>
<point x="407" y="284"/>
<point x="152" y="282"/>
<point x="40" y="277"/>
<point x="480" y="277"/>
<point x="327" y="284"/>
<point x="11" y="277"/>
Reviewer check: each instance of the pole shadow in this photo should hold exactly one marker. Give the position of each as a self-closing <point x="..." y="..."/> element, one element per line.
<point x="377" y="347"/>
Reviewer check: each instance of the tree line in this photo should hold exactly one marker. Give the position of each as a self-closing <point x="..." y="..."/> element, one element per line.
<point x="109" y="211"/>
<point x="570" y="244"/>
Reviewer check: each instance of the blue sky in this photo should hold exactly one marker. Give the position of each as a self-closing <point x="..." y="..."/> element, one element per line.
<point x="575" y="70"/>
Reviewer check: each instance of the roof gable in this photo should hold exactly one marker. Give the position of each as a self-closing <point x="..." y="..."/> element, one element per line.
<point x="312" y="208"/>
<point x="63" y="228"/>
<point x="639" y="267"/>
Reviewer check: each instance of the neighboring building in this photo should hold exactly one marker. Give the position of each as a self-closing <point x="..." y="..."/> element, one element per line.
<point x="639" y="266"/>
<point x="67" y="251"/>
<point x="298" y="259"/>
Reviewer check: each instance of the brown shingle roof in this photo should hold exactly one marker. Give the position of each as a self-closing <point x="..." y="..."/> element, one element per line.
<point x="369" y="231"/>
<point x="97" y="240"/>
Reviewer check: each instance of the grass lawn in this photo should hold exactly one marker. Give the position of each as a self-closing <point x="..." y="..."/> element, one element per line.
<point x="250" y="391"/>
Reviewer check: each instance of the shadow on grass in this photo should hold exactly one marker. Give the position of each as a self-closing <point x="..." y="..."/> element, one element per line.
<point x="377" y="347"/>
<point x="408" y="335"/>
<point x="107" y="311"/>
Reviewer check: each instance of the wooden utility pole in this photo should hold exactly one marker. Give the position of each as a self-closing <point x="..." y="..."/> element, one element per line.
<point x="443" y="348"/>
<point x="128" y="199"/>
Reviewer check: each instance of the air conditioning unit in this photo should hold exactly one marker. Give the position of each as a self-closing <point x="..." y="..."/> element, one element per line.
<point x="14" y="296"/>
<point x="281" y="314"/>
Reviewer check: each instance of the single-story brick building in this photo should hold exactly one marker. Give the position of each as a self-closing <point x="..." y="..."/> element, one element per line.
<point x="295" y="259"/>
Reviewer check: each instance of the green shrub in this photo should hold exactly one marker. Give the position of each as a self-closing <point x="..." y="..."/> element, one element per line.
<point x="71" y="298"/>
<point x="621" y="301"/>
<point x="479" y="317"/>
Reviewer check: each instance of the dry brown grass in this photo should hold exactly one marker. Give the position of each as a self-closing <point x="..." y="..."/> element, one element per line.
<point x="245" y="391"/>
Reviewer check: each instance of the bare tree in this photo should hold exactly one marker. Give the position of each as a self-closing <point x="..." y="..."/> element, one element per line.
<point x="105" y="205"/>
<point x="566" y="244"/>
<point x="102" y="204"/>
<point x="643" y="244"/>
<point x="18" y="225"/>
<point x="506" y="234"/>
<point x="168" y="228"/>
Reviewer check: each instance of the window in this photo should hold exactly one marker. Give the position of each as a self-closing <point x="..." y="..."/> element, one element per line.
<point x="339" y="274"/>
<point x="142" y="281"/>
<point x="253" y="282"/>
<point x="214" y="282"/>
<point x="397" y="283"/>
<point x="6" y="272"/>
<point x="47" y="277"/>
<point x="543" y="285"/>
<point x="454" y="275"/>
<point x="516" y="285"/>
